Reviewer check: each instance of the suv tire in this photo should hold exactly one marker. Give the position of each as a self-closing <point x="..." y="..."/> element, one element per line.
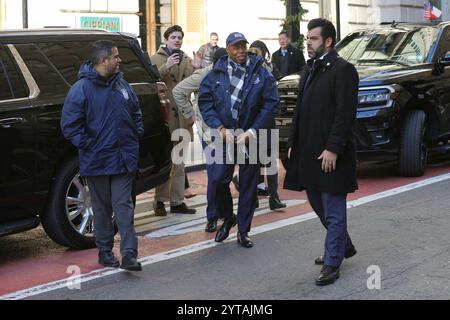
<point x="413" y="148"/>
<point x="69" y="194"/>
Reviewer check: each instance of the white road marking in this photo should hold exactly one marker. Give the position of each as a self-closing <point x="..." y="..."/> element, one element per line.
<point x="96" y="274"/>
<point x="199" y="224"/>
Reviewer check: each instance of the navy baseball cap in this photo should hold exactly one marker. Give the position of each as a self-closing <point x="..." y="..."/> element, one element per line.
<point x="235" y="37"/>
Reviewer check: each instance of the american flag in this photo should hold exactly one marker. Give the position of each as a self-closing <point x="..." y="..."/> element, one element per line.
<point x="430" y="12"/>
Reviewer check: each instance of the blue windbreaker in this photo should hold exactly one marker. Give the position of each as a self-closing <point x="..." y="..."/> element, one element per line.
<point x="102" y="118"/>
<point x="259" y="100"/>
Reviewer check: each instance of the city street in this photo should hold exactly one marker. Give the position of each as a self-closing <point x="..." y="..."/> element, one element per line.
<point x="96" y="97"/>
<point x="399" y="227"/>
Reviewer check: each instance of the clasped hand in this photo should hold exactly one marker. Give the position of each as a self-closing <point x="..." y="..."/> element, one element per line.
<point x="228" y="136"/>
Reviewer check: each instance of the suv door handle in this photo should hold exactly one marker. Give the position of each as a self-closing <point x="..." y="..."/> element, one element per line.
<point x="8" y="122"/>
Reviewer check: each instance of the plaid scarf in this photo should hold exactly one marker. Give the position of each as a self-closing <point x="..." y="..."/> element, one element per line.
<point x="237" y="78"/>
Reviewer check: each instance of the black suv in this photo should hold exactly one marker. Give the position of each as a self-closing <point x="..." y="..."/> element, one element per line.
<point x="39" y="176"/>
<point x="404" y="93"/>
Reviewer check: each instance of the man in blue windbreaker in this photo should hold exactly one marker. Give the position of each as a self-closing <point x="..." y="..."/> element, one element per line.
<point x="102" y="118"/>
<point x="238" y="94"/>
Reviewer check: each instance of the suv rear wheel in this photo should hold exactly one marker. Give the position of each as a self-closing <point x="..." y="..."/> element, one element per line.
<point x="69" y="217"/>
<point x="413" y="148"/>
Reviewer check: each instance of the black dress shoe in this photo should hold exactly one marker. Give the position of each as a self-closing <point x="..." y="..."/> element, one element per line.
<point x="224" y="230"/>
<point x="159" y="208"/>
<point x="244" y="240"/>
<point x="350" y="252"/>
<point x="107" y="259"/>
<point x="130" y="263"/>
<point x="275" y="203"/>
<point x="182" y="208"/>
<point x="211" y="225"/>
<point x="328" y="275"/>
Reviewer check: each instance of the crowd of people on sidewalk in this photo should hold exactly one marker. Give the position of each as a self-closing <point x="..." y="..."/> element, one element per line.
<point x="236" y="98"/>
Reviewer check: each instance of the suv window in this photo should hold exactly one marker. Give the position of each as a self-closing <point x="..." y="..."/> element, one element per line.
<point x="11" y="81"/>
<point x="416" y="47"/>
<point x="132" y="68"/>
<point x="395" y="45"/>
<point x="444" y="46"/>
<point x="46" y="76"/>
<point x="67" y="57"/>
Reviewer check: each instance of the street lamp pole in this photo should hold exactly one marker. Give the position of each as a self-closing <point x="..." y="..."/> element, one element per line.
<point x="338" y="20"/>
<point x="25" y="14"/>
<point x="292" y="8"/>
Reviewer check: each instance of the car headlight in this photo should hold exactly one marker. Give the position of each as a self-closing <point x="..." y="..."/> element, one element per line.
<point x="377" y="97"/>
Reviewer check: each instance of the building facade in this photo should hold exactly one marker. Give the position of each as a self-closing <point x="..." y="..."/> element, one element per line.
<point x="112" y="15"/>
<point x="257" y="19"/>
<point x="361" y="13"/>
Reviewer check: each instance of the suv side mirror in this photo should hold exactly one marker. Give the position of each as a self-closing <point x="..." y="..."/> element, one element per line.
<point x="441" y="63"/>
<point x="445" y="60"/>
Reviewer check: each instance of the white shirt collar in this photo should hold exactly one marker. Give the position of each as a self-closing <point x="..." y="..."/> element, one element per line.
<point x="323" y="56"/>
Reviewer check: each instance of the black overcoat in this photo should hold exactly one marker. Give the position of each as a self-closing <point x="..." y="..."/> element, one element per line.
<point x="324" y="118"/>
<point x="296" y="60"/>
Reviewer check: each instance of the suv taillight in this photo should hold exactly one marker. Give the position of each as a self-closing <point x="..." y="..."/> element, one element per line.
<point x="165" y="102"/>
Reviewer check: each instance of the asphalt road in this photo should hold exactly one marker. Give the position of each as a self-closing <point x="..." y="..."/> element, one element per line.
<point x="405" y="237"/>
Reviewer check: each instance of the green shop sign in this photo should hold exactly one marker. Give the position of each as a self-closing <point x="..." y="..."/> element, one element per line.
<point x="110" y="24"/>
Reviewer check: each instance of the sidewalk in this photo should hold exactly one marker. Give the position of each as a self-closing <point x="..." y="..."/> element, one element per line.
<point x="147" y="224"/>
<point x="145" y="220"/>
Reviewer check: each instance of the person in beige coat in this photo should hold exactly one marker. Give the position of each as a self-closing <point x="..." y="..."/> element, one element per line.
<point x="174" y="66"/>
<point x="182" y="95"/>
<point x="182" y="98"/>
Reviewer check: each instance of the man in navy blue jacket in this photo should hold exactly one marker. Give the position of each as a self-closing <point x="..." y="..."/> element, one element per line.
<point x="239" y="93"/>
<point x="102" y="118"/>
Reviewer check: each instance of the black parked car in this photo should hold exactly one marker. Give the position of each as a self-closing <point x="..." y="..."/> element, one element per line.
<point x="39" y="176"/>
<point x="404" y="93"/>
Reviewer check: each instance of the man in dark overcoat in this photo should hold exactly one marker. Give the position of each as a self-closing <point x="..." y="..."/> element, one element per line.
<point x="288" y="59"/>
<point x="322" y="157"/>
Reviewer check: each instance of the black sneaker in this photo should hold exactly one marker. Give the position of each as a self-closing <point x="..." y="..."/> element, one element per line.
<point x="107" y="259"/>
<point x="130" y="263"/>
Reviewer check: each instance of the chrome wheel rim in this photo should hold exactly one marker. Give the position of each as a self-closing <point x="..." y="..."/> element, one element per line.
<point x="79" y="207"/>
